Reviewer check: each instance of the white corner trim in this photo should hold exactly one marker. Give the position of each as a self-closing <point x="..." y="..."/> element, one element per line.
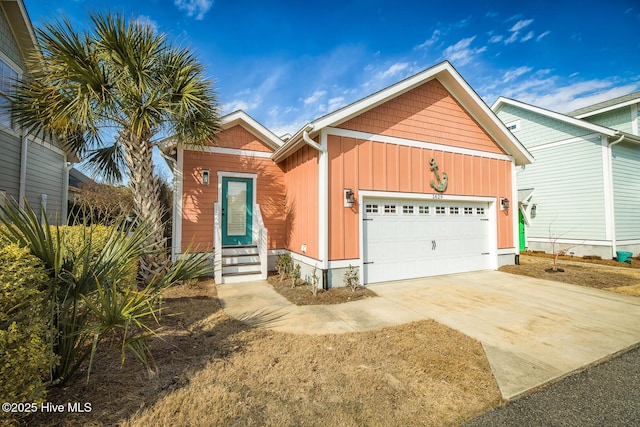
<point x="323" y="202"/>
<point x="413" y="143"/>
<point x="608" y="188"/>
<point x="231" y="151"/>
<point x="178" y="179"/>
<point x="514" y="210"/>
<point x="634" y="119"/>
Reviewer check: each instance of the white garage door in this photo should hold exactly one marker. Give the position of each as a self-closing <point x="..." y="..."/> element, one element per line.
<point x="404" y="239"/>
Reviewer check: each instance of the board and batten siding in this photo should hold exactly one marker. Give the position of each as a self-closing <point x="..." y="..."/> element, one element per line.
<point x="367" y="165"/>
<point x="45" y="175"/>
<point x="619" y="119"/>
<point x="302" y="220"/>
<point x="568" y="191"/>
<point x="536" y="129"/>
<point x="626" y="190"/>
<point x="10" y="164"/>
<point x="198" y="199"/>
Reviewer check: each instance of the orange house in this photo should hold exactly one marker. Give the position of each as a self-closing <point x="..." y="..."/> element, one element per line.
<point x="415" y="180"/>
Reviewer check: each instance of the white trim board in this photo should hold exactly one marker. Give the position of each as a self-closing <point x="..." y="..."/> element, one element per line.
<point x="231" y="151"/>
<point x="422" y="196"/>
<point x="323" y="202"/>
<point x="178" y="174"/>
<point x="413" y="143"/>
<point x="609" y="108"/>
<point x="303" y="258"/>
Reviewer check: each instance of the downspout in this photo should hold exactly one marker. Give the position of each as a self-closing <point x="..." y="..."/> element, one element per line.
<point x="65" y="190"/>
<point x="308" y="140"/>
<point x="22" y="190"/>
<point x="614" y="245"/>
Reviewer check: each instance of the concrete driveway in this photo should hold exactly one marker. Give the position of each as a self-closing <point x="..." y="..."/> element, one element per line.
<point x="533" y="331"/>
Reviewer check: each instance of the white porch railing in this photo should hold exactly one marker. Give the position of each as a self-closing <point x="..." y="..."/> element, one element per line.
<point x="217" y="243"/>
<point x="259" y="237"/>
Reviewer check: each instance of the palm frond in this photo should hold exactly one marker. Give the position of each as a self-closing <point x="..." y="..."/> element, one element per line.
<point x="108" y="161"/>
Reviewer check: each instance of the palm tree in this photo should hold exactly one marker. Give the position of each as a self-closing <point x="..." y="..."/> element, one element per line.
<point x="110" y="94"/>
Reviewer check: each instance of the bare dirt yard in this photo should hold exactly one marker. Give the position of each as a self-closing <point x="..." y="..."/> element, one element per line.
<point x="214" y="370"/>
<point x="602" y="274"/>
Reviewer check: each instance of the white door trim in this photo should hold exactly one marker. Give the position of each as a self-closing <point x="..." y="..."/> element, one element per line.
<point x="252" y="176"/>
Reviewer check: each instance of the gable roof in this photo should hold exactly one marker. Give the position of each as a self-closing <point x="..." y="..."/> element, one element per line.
<point x="447" y="75"/>
<point x="603" y="107"/>
<point x="241" y="118"/>
<point x="603" y="130"/>
<point x="20" y="24"/>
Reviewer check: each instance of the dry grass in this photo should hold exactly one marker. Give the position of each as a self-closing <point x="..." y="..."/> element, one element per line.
<point x="213" y="370"/>
<point x="601" y="274"/>
<point x="301" y="294"/>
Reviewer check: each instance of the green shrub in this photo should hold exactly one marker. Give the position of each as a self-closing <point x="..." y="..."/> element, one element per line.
<point x="26" y="355"/>
<point x="284" y="265"/>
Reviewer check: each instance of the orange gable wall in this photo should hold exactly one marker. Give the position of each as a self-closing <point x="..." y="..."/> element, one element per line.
<point x="240" y="138"/>
<point x="357" y="164"/>
<point x="301" y="178"/>
<point x="427" y="113"/>
<point x="198" y="199"/>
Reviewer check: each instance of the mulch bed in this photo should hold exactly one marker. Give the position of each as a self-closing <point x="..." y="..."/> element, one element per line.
<point x="301" y="294"/>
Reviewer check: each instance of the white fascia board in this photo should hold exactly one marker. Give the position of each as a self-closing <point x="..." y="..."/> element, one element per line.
<point x="609" y="108"/>
<point x="231" y="151"/>
<point x="291" y="146"/>
<point x="241" y="118"/>
<point x="557" y="116"/>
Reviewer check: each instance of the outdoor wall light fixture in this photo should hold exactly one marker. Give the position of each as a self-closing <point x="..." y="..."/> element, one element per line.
<point x="205" y="177"/>
<point x="534" y="210"/>
<point x="504" y="203"/>
<point x="349" y="198"/>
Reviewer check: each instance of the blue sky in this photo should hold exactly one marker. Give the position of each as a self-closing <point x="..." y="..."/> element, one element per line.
<point x="289" y="62"/>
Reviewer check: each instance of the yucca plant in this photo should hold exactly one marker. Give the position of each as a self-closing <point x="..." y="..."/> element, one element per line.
<point x="91" y="292"/>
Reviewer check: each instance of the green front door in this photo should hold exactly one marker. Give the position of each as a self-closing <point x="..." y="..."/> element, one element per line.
<point x="523" y="243"/>
<point x="237" y="211"/>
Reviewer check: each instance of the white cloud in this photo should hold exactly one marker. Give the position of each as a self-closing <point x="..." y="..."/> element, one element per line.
<point x="314" y="96"/>
<point x="541" y="36"/>
<point x="521" y="24"/>
<point x="512" y="38"/>
<point x="491" y="14"/>
<point x="527" y="37"/>
<point x="147" y="21"/>
<point x="462" y="53"/>
<point x="393" y="70"/>
<point x="515" y="73"/>
<point x="429" y="42"/>
<point x="495" y="39"/>
<point x="197" y="8"/>
<point x="336" y="102"/>
<point x="241" y="104"/>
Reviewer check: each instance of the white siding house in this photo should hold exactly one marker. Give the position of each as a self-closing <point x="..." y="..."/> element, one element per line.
<point x="582" y="191"/>
<point x="31" y="170"/>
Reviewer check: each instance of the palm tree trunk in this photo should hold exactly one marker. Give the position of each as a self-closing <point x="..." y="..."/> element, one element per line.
<point x="145" y="189"/>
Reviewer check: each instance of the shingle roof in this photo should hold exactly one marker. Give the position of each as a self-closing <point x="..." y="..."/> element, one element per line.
<point x="605" y="104"/>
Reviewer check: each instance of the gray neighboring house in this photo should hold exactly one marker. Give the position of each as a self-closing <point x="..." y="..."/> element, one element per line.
<point x="583" y="189"/>
<point x="31" y="169"/>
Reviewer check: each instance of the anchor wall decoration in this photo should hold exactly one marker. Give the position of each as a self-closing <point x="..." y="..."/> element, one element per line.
<point x="441" y="186"/>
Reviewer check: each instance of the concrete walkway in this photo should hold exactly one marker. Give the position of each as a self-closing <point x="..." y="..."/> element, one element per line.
<point x="533" y="331"/>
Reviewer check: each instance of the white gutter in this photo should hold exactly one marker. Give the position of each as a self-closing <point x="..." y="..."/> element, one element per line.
<point x="614" y="245"/>
<point x="308" y="140"/>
